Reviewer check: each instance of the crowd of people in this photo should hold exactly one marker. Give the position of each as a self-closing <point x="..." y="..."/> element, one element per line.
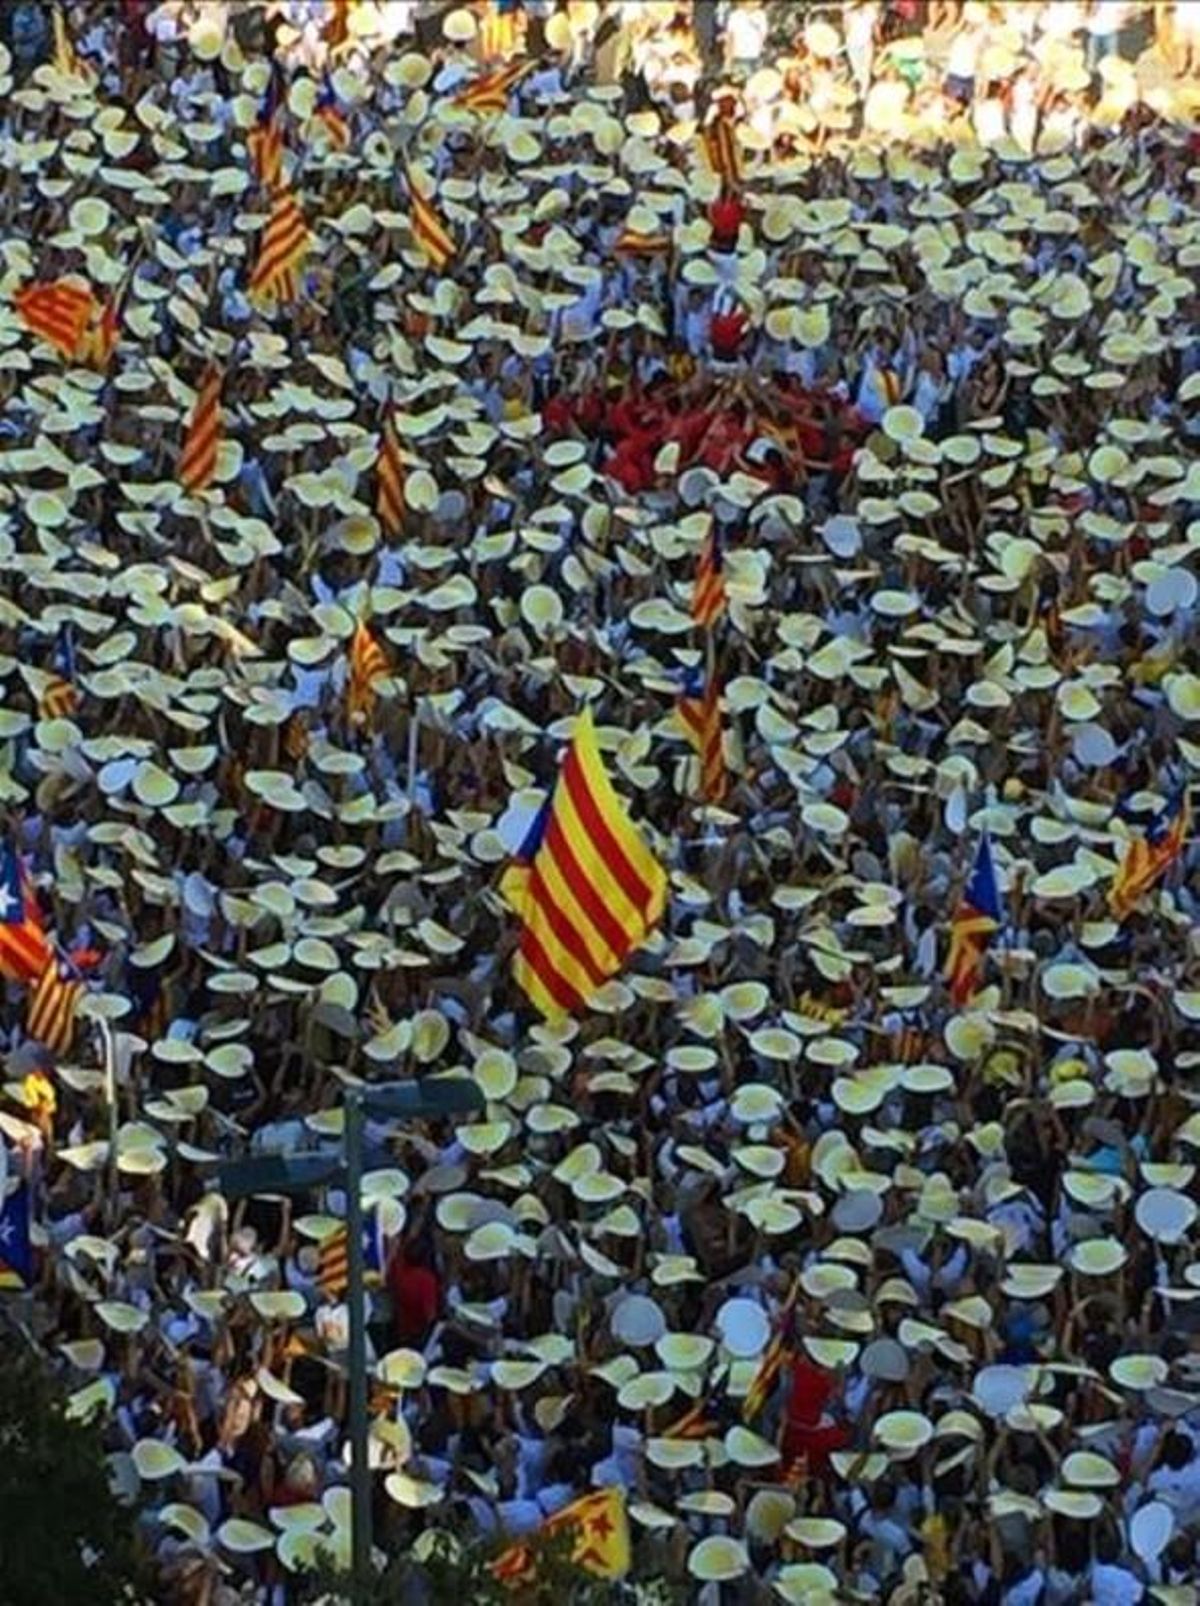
<point x="918" y="368"/>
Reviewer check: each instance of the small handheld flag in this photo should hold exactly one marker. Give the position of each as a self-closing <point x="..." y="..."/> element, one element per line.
<point x="722" y="151"/>
<point x="59" y="696"/>
<point x="16" y="1249"/>
<point x="284" y="244"/>
<point x="329" y="114"/>
<point x="368" y="662"/>
<point x="699" y="712"/>
<point x="202" y="442"/>
<point x="264" y="142"/>
<point x="429" y="231"/>
<point x="1150" y="855"/>
<point x="708" y="593"/>
<point x="389" y="478"/>
<point x="490" y="92"/>
<point x="24" y="947"/>
<point x="978" y="915"/>
<point x="52" y="1005"/>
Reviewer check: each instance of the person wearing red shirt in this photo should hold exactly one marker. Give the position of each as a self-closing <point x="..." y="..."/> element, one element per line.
<point x="726" y="216"/>
<point x="726" y="332"/>
<point x="416" y="1294"/>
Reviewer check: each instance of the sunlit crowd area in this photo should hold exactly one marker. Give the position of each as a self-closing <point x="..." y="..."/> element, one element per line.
<point x="622" y="576"/>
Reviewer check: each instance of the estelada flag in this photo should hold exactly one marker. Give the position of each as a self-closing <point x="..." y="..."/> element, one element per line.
<point x="978" y="916"/>
<point x="16" y="1247"/>
<point x="329" y="114"/>
<point x="264" y="142"/>
<point x="59" y="696"/>
<point x="601" y="1547"/>
<point x="1149" y="855"/>
<point x="589" y="890"/>
<point x="25" y="949"/>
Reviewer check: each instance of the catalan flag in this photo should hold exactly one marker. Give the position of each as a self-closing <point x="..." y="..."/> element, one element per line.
<point x="490" y="92"/>
<point x="66" y="60"/>
<point x="389" y="477"/>
<point x="368" y="662"/>
<point x="59" y="696"/>
<point x="337" y="27"/>
<point x="329" y="114"/>
<point x="708" y="593"/>
<point x="16" y="1246"/>
<point x="699" y="712"/>
<point x="58" y="312"/>
<point x="638" y="243"/>
<point x="978" y="915"/>
<point x="296" y="738"/>
<point x="24" y="947"/>
<point x="202" y="442"/>
<point x="284" y="245"/>
<point x="589" y="890"/>
<point x="721" y="150"/>
<point x="430" y="233"/>
<point x="52" y="1004"/>
<point x="775" y="1357"/>
<point x="1149" y="855"/>
<point x="601" y="1548"/>
<point x="264" y="142"/>
<point x="498" y="30"/>
<point x="697" y="1422"/>
<point x="333" y="1258"/>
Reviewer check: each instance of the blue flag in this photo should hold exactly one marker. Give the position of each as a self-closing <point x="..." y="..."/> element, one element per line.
<point x="16" y="1252"/>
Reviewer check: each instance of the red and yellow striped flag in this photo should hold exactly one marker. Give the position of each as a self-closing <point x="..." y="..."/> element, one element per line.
<point x="775" y="1357"/>
<point x="585" y="884"/>
<point x="59" y="699"/>
<point x="66" y="60"/>
<point x="430" y="233"/>
<point x="708" y="593"/>
<point x="58" y="312"/>
<point x="99" y="339"/>
<point x="332" y="118"/>
<point x="722" y="151"/>
<point x="636" y="243"/>
<point x="50" y="1013"/>
<point x="1149" y="855"/>
<point x="601" y="1547"/>
<point x="368" y="662"/>
<point x="389" y="477"/>
<point x="699" y="712"/>
<point x="284" y="245"/>
<point x="490" y="92"/>
<point x="264" y="142"/>
<point x="202" y="442"/>
<point x="333" y="1264"/>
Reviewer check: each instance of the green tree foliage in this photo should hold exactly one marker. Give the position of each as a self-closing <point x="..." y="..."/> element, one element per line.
<point x="457" y="1572"/>
<point x="65" y="1540"/>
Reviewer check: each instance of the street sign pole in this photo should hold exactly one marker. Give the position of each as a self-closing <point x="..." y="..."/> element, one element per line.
<point x="360" y="1472"/>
